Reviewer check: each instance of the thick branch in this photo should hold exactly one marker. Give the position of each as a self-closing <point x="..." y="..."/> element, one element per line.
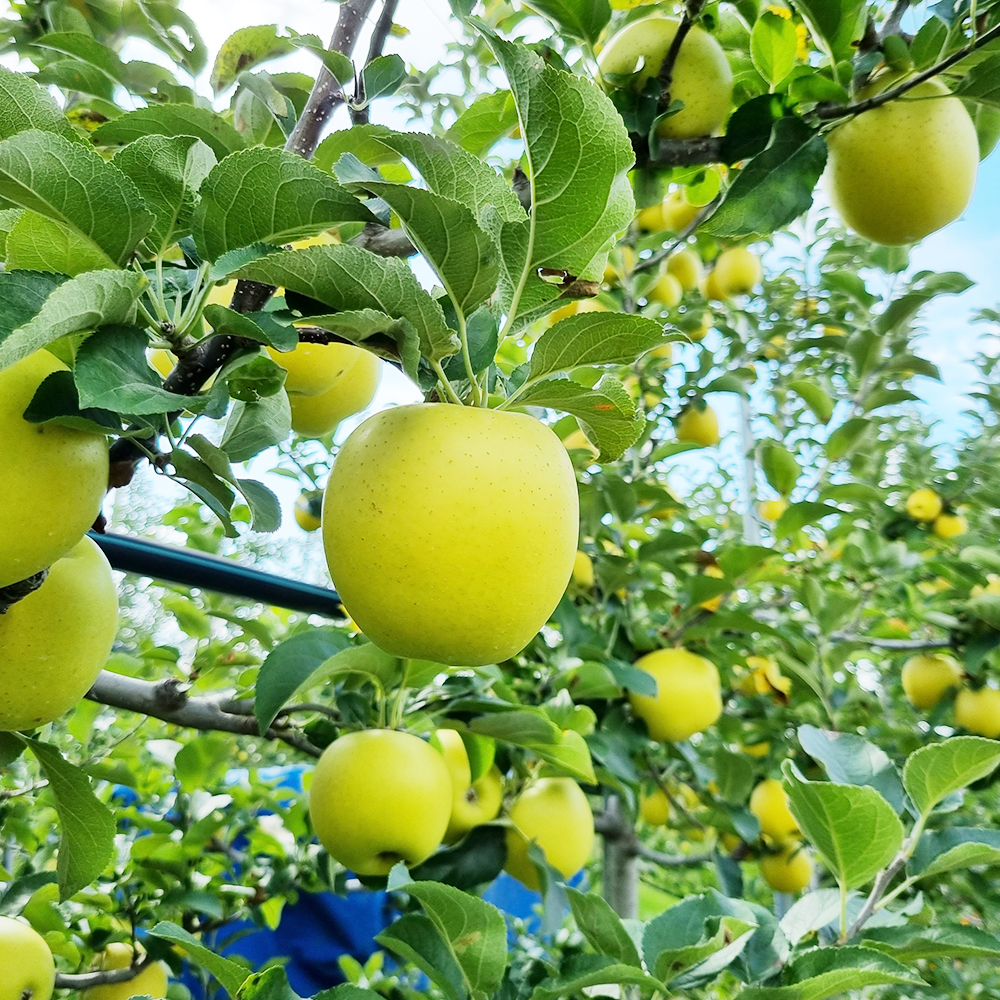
<point x="384" y="241"/>
<point x="86" y="980"/>
<point x="666" y="73"/>
<point x="166" y="700"/>
<point x="893" y="21"/>
<point x="678" y="152"/>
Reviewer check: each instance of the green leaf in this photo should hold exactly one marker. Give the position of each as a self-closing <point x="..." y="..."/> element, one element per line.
<point x="779" y="466"/>
<point x="850" y="759"/>
<point x="265" y="509"/>
<point x="853" y="828"/>
<point x="846" y="437"/>
<point x="369" y="327"/>
<point x="57" y="401"/>
<point x="924" y="287"/>
<point x="24" y="105"/>
<point x="602" y="927"/>
<point x="84" y="48"/>
<point x="382" y="76"/>
<point x="930" y="42"/>
<point x="268" y="196"/>
<point x="815" y="397"/>
<point x="834" y="25"/>
<point x="986" y="607"/>
<point x="252" y="427"/>
<point x="773" y="188"/>
<point x="982" y="83"/>
<point x="825" y="972"/>
<point x="719" y="932"/>
<point x="475" y="860"/>
<point x="772" y="46"/>
<point x="76" y="188"/>
<point x="798" y="515"/>
<point x="35" y="243"/>
<point x="168" y="171"/>
<point x="336" y="62"/>
<point x="79" y="304"/>
<point x="584" y="19"/>
<point x="87" y="826"/>
<point x="244" y="49"/>
<point x="229" y="974"/>
<point x="595" y="339"/>
<point x="809" y="913"/>
<point x="288" y="667"/>
<point x="942" y="851"/>
<point x="934" y="772"/>
<point x="607" y="410"/>
<point x="272" y="984"/>
<point x="415" y="939"/>
<point x="583" y="972"/>
<point x="579" y="155"/>
<point x="490" y="118"/>
<point x="950" y="941"/>
<point x="349" y="278"/>
<point x="474" y="929"/>
<point x="259" y="326"/>
<point x="734" y="775"/>
<point x="173" y="119"/>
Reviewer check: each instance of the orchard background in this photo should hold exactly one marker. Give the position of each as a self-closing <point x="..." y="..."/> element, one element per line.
<point x="692" y="692"/>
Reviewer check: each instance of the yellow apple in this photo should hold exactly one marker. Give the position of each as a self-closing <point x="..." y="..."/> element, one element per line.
<point x="379" y="797"/>
<point x="351" y="392"/>
<point x="769" y="803"/>
<point x="737" y="272"/>
<point x="686" y="267"/>
<point x="903" y="170"/>
<point x="555" y="814"/>
<point x="950" y="525"/>
<point x="29" y="972"/>
<point x="667" y="291"/>
<point x="473" y="802"/>
<point x="771" y="510"/>
<point x="758" y="750"/>
<point x="162" y="361"/>
<point x="698" y="425"/>
<point x="650" y="219"/>
<point x="307" y="510"/>
<point x="52" y="479"/>
<point x="790" y="870"/>
<point x="927" y="677"/>
<point x="678" y="213"/>
<point x="55" y="641"/>
<point x="688" y="695"/>
<point x="575" y="306"/>
<point x="664" y="352"/>
<point x="583" y="571"/>
<point x="313" y="369"/>
<point x="699" y="333"/>
<point x="152" y="981"/>
<point x="713" y="603"/>
<point x="701" y="76"/>
<point x="923" y="505"/>
<point x="577" y="440"/>
<point x="979" y="711"/>
<point x="424" y="507"/>
<point x="654" y="807"/>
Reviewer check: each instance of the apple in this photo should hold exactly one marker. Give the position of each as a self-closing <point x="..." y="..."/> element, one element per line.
<point x="950" y="525"/>
<point x="307" y="510"/>
<point x="350" y="393"/>
<point x="313" y="369"/>
<point x="789" y="870"/>
<point x="905" y="169"/>
<point x="769" y="803"/>
<point x="737" y="272"/>
<point x="678" y="213"/>
<point x="423" y="510"/>
<point x="52" y="479"/>
<point x="688" y="695"/>
<point x="698" y="424"/>
<point x="583" y="571"/>
<point x="379" y="797"/>
<point x="151" y="982"/>
<point x="654" y="807"/>
<point x="473" y="802"/>
<point x="555" y="814"/>
<point x="711" y="288"/>
<point x="979" y="711"/>
<point x="686" y="267"/>
<point x="701" y="75"/>
<point x="771" y="510"/>
<point x="700" y="332"/>
<point x="55" y="641"/>
<point x="578" y="441"/>
<point x="667" y="291"/>
<point x="923" y="505"/>
<point x="927" y="677"/>
<point x="650" y="219"/>
<point x="713" y="603"/>
<point x="29" y="973"/>
<point x="575" y="306"/>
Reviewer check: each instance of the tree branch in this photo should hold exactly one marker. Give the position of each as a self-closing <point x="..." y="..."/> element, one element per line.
<point x="383" y="26"/>
<point x="677" y="152"/>
<point x="666" y="72"/>
<point x="384" y="241"/>
<point x="673" y="860"/>
<point x="168" y="701"/>
<point x="109" y="977"/>
<point x="894" y="645"/>
<point x="893" y="21"/>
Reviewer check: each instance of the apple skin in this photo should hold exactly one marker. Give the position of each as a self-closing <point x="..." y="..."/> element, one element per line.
<point x="950" y="525"/>
<point x="788" y="871"/>
<point x="701" y="79"/>
<point x="152" y="981"/>
<point x="771" y="510"/>
<point x="901" y="171"/>
<point x="423" y="510"/>
<point x="737" y="272"/>
<point x="769" y="803"/>
<point x="923" y="505"/>
<point x="979" y="711"/>
<point x="654" y="807"/>
<point x="351" y="392"/>
<point x="379" y="797"/>
<point x="667" y="291"/>
<point x="473" y="802"/>
<point x="927" y="677"/>
<point x="583" y="571"/>
<point x="687" y="268"/>
<point x="52" y="479"/>
<point x="313" y="369"/>
<point x="555" y="814"/>
<point x="55" y="641"/>
<point x="698" y="426"/>
<point x="688" y="695"/>
<point x="26" y="962"/>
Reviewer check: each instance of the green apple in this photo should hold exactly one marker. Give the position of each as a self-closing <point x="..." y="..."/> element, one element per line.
<point x="55" y="641"/>
<point x="349" y="393"/>
<point x="52" y="479"/>
<point x="379" y="797"/>
<point x="423" y="510"/>
<point x="151" y="982"/>
<point x="688" y="695"/>
<point x="737" y="272"/>
<point x="473" y="802"/>
<point x="29" y="972"/>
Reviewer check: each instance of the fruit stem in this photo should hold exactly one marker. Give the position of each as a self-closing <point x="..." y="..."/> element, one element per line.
<point x="463" y="336"/>
<point x="445" y="385"/>
<point x="399" y="702"/>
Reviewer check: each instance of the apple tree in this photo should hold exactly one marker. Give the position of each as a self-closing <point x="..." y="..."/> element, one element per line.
<point x="665" y="579"/>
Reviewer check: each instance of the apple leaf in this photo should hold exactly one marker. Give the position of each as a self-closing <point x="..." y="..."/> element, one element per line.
<point x="229" y="974"/>
<point x="602" y="927"/>
<point x="933" y="772"/>
<point x="244" y="49"/>
<point x="24" y="105"/>
<point x="487" y="120"/>
<point x="940" y="851"/>
<point x="584" y="972"/>
<point x="950" y="941"/>
<point x="173" y="119"/>
<point x="415" y="938"/>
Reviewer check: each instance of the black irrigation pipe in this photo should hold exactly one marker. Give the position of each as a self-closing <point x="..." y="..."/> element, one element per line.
<point x="197" y="569"/>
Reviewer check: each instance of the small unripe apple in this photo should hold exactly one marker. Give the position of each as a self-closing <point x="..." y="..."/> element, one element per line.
<point x="379" y="797"/>
<point x="583" y="571"/>
<point x="769" y="803"/>
<point x="578" y="441"/>
<point x="927" y="677"/>
<point x="771" y="510"/>
<point x="790" y="870"/>
<point x="654" y="807"/>
<point x="555" y="814"/>
<point x="923" y="505"/>
<point x="52" y="479"/>
<point x="688" y="695"/>
<point x="422" y="511"/>
<point x="686" y="267"/>
<point x="350" y="393"/>
<point x="308" y="507"/>
<point x="29" y="973"/>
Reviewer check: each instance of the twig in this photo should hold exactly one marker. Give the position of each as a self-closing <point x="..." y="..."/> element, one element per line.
<point x="666" y="72"/>
<point x="894" y="645"/>
<point x="893" y="21"/>
<point x="882" y="883"/>
<point x="649" y="262"/>
<point x="673" y="860"/>
<point x="166" y="700"/>
<point x="383" y="26"/>
<point x="678" y="152"/>
<point x="384" y="241"/>
<point x="86" y="980"/>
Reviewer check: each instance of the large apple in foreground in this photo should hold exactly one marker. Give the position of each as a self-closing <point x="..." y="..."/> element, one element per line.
<point x="28" y="971"/>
